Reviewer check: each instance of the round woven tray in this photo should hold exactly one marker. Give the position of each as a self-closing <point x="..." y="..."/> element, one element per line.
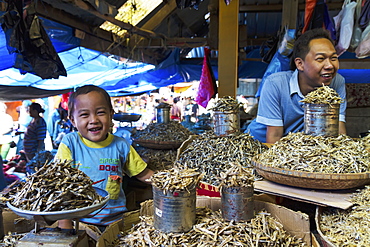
<point x="312" y="180"/>
<point x="323" y="239"/>
<point x="158" y="144"/>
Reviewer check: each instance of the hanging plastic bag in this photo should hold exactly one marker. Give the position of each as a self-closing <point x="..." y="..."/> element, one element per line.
<point x="365" y="15"/>
<point x="344" y="22"/>
<point x="357" y="31"/>
<point x="363" y="49"/>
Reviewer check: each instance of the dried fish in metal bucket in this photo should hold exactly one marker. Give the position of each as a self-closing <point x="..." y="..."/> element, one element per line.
<point x="237" y="203"/>
<point x="226" y="117"/>
<point x="321" y="112"/>
<point x="174" y="196"/>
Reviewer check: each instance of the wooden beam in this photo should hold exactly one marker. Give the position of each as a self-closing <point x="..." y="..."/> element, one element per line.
<point x="127" y="26"/>
<point x="228" y="48"/>
<point x="162" y="14"/>
<point x="289" y="14"/>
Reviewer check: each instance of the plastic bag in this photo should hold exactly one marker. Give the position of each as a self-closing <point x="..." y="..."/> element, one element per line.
<point x="365" y="15"/>
<point x="363" y="49"/>
<point x="357" y="31"/>
<point x="344" y="22"/>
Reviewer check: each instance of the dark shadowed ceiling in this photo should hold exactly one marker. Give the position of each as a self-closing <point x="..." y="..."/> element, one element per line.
<point x="173" y="23"/>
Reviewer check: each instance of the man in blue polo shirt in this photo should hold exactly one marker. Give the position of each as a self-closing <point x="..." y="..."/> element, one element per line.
<point x="314" y="63"/>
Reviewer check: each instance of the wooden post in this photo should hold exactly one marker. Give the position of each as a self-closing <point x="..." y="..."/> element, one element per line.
<point x="289" y="14"/>
<point x="228" y="48"/>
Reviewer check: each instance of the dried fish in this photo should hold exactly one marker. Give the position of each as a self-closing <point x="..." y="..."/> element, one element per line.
<point x="226" y="103"/>
<point x="157" y="159"/>
<point x="348" y="227"/>
<point x="323" y="95"/>
<point x="56" y="186"/>
<point x="320" y="154"/>
<point x="176" y="179"/>
<point x="237" y="176"/>
<point x="11" y="239"/>
<point x="211" y="154"/>
<point x="172" y="131"/>
<point x="211" y="230"/>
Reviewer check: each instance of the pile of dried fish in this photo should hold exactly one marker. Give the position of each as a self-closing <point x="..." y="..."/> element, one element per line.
<point x="226" y="103"/>
<point x="348" y="227"/>
<point x="176" y="179"/>
<point x="323" y="95"/>
<point x="157" y="159"/>
<point x="212" y="154"/>
<point x="11" y="240"/>
<point x="54" y="187"/>
<point x="237" y="176"/>
<point x="366" y="142"/>
<point x="172" y="131"/>
<point x="211" y="230"/>
<point x="307" y="153"/>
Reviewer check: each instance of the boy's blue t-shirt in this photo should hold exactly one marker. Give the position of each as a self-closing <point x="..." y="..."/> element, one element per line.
<point x="108" y="161"/>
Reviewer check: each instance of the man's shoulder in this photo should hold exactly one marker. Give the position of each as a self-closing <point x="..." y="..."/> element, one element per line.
<point x="281" y="74"/>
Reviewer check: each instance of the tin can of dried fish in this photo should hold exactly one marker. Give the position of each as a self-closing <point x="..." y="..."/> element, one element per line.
<point x="237" y="203"/>
<point x="226" y="123"/>
<point x="174" y="211"/>
<point x="163" y="115"/>
<point x="321" y="119"/>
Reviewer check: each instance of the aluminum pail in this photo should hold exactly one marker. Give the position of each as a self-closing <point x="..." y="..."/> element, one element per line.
<point x="163" y="115"/>
<point x="174" y="211"/>
<point x="237" y="203"/>
<point x="321" y="119"/>
<point x="226" y="123"/>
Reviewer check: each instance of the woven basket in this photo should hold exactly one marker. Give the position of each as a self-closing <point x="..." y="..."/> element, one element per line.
<point x="323" y="240"/>
<point x="312" y="180"/>
<point x="158" y="144"/>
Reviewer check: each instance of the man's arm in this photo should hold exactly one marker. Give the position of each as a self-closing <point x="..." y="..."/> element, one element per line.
<point x="274" y="133"/>
<point x="342" y="128"/>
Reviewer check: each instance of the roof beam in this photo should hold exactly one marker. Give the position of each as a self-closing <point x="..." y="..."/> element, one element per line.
<point x="130" y="28"/>
<point x="162" y="14"/>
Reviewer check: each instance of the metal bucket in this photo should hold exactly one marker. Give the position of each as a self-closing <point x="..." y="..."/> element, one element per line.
<point x="237" y="203"/>
<point x="321" y="119"/>
<point x="226" y="123"/>
<point x="174" y="211"/>
<point x="163" y="115"/>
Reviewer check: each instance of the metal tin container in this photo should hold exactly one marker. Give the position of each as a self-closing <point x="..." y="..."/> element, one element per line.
<point x="226" y="123"/>
<point x="163" y="114"/>
<point x="321" y="119"/>
<point x="237" y="203"/>
<point x="174" y="211"/>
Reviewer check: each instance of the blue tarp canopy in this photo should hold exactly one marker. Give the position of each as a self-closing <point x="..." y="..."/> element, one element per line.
<point x="85" y="66"/>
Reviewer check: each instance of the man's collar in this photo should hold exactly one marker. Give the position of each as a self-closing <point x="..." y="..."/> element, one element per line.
<point x="294" y="85"/>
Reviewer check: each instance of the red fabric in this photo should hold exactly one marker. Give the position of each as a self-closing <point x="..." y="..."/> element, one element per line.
<point x="64" y="101"/>
<point x="207" y="86"/>
<point x="205" y="189"/>
<point x="308" y="12"/>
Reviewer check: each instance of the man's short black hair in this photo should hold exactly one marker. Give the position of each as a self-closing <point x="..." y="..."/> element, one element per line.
<point x="301" y="45"/>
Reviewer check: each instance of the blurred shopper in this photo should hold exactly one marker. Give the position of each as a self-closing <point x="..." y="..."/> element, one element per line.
<point x="176" y="112"/>
<point x="6" y="128"/>
<point x="34" y="138"/>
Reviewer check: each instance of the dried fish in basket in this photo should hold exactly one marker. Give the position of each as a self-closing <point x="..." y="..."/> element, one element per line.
<point x="56" y="186"/>
<point x="157" y="159"/>
<point x="316" y="162"/>
<point x="211" y="154"/>
<point x="338" y="227"/>
<point x="211" y="230"/>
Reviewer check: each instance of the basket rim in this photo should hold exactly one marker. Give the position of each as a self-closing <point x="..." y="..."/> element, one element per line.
<point x="157" y="142"/>
<point x="310" y="175"/>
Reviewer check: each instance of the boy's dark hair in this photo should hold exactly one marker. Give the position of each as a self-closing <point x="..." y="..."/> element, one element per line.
<point x="37" y="107"/>
<point x="301" y="45"/>
<point x="85" y="90"/>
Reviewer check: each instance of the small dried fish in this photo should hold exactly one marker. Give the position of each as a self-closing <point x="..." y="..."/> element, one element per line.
<point x="320" y="154"/>
<point x="211" y="154"/>
<point x="323" y="95"/>
<point x="11" y="239"/>
<point x="237" y="176"/>
<point x="176" y="179"/>
<point x="172" y="131"/>
<point x="157" y="159"/>
<point x="56" y="186"/>
<point x="211" y="230"/>
<point x="226" y="103"/>
<point x="348" y="227"/>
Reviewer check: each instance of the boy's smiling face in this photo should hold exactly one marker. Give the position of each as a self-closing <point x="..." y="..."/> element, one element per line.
<point x="92" y="116"/>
